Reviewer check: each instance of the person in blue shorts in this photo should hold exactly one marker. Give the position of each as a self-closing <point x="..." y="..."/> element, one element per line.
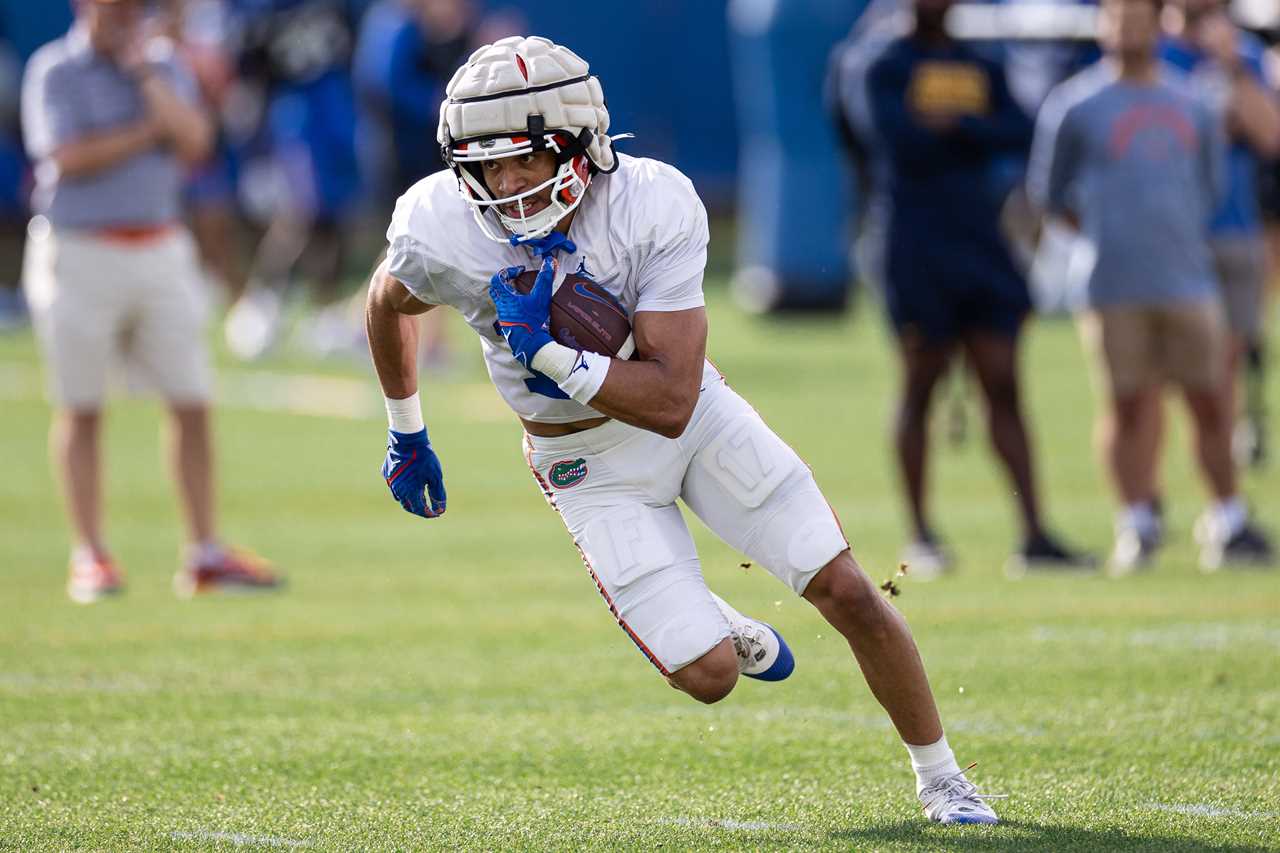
<point x="935" y="119"/>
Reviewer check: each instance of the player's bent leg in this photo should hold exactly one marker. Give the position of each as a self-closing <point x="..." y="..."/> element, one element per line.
<point x="881" y="643"/>
<point x="890" y="662"/>
<point x="754" y="492"/>
<point x="711" y="677"/>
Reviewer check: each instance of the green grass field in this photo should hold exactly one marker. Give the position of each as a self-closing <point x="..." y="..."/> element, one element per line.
<point x="458" y="684"/>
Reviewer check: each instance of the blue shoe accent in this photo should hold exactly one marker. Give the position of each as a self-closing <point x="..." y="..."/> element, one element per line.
<point x="972" y="820"/>
<point x="782" y="666"/>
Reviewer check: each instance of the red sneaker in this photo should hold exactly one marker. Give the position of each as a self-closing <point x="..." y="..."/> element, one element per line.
<point x="235" y="570"/>
<point x="91" y="578"/>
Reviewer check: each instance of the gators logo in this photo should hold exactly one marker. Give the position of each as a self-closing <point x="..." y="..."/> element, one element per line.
<point x="568" y="473"/>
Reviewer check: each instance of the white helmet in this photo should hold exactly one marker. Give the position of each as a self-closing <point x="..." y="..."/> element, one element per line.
<point x="516" y="96"/>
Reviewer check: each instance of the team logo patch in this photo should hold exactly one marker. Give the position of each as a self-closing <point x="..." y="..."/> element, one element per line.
<point x="568" y="473"/>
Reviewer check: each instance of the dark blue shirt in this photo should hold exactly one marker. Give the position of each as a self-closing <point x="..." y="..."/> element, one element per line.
<point x="936" y="122"/>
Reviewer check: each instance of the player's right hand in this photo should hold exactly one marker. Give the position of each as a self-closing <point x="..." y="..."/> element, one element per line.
<point x="522" y="317"/>
<point x="412" y="471"/>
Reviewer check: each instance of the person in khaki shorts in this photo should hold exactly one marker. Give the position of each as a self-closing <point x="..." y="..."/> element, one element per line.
<point x="109" y="119"/>
<point x="1126" y="154"/>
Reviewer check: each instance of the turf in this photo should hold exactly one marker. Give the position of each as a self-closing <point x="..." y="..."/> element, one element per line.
<point x="458" y="684"/>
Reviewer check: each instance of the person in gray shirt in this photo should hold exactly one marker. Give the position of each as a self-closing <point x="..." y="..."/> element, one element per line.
<point x="1124" y="153"/>
<point x="110" y="120"/>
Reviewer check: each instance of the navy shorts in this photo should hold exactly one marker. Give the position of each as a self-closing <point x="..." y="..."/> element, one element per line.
<point x="942" y="296"/>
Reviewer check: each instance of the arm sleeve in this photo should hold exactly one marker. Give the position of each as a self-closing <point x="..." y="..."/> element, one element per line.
<point x="670" y="274"/>
<point x="51" y="109"/>
<point x="407" y="257"/>
<point x="1007" y="127"/>
<point x="1055" y="155"/>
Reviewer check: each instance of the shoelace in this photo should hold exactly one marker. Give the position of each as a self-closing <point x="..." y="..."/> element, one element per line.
<point x="958" y="786"/>
<point x="746" y="640"/>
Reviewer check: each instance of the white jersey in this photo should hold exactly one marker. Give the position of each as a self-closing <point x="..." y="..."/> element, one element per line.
<point x="640" y="232"/>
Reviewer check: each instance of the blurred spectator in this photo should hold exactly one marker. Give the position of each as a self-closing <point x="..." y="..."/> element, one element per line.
<point x="201" y="31"/>
<point x="931" y="116"/>
<point x="13" y="191"/>
<point x="1225" y="67"/>
<point x="109" y="115"/>
<point x="305" y="181"/>
<point x="407" y="51"/>
<point x="1127" y="154"/>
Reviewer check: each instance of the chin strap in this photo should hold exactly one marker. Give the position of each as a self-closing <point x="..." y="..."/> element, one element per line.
<point x="546" y="246"/>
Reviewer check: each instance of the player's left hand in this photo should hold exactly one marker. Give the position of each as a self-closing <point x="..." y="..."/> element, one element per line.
<point x="523" y="318"/>
<point x="412" y="471"/>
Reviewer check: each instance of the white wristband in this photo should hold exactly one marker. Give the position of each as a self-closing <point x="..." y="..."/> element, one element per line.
<point x="405" y="416"/>
<point x="578" y="373"/>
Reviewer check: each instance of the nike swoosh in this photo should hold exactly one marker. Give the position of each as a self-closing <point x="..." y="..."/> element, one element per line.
<point x="581" y="289"/>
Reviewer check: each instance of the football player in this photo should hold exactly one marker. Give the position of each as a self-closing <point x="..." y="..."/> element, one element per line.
<point x="534" y="181"/>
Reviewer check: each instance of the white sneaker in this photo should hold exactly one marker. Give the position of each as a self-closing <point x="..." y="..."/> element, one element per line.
<point x="1134" y="551"/>
<point x="925" y="560"/>
<point x="253" y="323"/>
<point x="762" y="653"/>
<point x="954" y="799"/>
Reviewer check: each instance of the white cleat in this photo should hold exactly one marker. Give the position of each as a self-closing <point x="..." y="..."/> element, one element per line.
<point x="954" y="799"/>
<point x="762" y="653"/>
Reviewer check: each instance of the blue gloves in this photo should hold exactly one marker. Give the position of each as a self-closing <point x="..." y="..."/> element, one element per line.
<point x="523" y="318"/>
<point x="412" y="467"/>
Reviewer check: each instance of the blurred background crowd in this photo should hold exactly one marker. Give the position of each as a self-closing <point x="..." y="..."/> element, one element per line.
<point x="326" y="110"/>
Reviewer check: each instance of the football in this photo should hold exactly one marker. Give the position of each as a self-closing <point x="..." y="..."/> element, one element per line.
<point x="585" y="316"/>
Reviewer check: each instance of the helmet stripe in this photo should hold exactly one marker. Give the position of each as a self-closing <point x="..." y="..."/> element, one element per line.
<point x="525" y="91"/>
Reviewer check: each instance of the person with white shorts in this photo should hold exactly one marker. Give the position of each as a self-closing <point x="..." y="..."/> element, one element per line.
<point x="533" y="180"/>
<point x="110" y="117"/>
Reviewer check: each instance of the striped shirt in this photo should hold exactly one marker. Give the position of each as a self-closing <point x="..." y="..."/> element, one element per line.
<point x="70" y="92"/>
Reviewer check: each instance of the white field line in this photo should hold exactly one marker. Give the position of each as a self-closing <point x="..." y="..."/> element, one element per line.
<point x="238" y="839"/>
<point x="1207" y="810"/>
<point x="1213" y="636"/>
<point x="730" y="823"/>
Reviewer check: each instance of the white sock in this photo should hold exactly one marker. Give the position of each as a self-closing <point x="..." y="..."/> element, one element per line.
<point x="1139" y="517"/>
<point x="203" y="553"/>
<point x="1230" y="515"/>
<point x="930" y="762"/>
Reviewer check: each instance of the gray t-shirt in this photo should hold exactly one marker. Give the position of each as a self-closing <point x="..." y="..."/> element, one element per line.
<point x="1142" y="167"/>
<point x="70" y="92"/>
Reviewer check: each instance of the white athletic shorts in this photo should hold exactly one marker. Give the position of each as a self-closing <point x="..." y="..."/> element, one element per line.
<point x="615" y="486"/>
<point x="98" y="302"/>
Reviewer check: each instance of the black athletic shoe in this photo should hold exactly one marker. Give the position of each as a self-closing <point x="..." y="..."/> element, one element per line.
<point x="1249" y="548"/>
<point x="1043" y="553"/>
